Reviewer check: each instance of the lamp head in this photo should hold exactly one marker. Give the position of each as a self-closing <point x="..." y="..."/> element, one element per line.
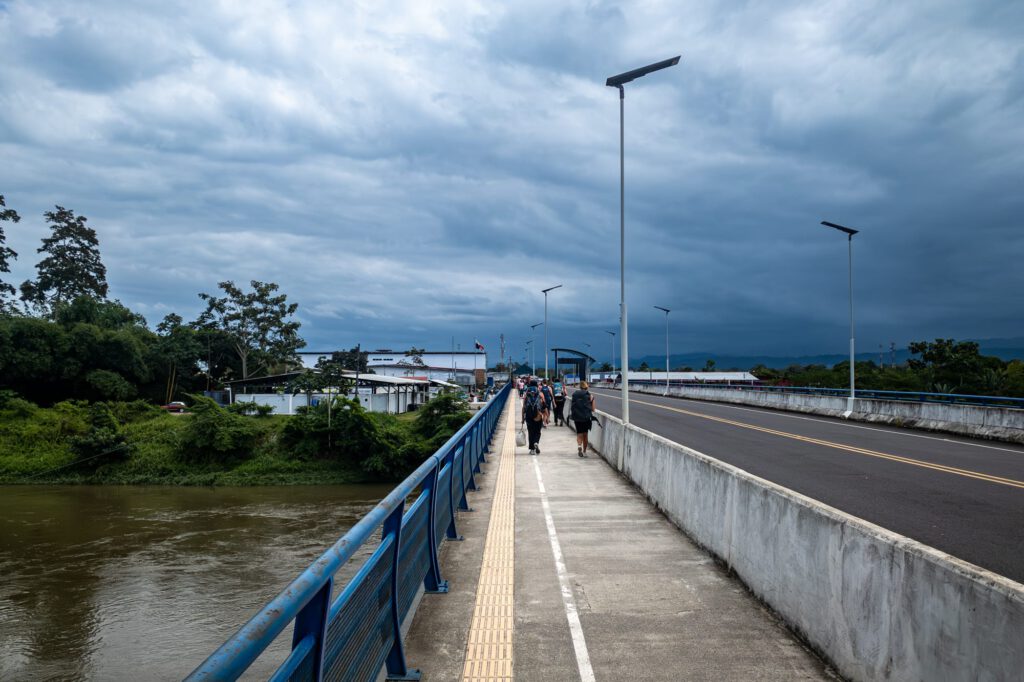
<point x="623" y="78"/>
<point x="848" y="230"/>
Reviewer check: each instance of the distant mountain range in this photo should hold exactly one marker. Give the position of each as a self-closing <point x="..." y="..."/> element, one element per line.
<point x="1007" y="349"/>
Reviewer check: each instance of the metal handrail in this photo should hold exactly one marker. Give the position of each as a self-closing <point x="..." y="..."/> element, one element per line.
<point x="908" y="396"/>
<point x="307" y="600"/>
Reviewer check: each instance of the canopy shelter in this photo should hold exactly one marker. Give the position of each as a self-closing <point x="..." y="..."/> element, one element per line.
<point x="577" y="361"/>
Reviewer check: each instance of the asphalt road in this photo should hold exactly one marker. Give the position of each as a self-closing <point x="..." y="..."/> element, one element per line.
<point x="962" y="496"/>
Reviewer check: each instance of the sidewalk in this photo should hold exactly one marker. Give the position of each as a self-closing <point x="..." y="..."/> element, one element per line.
<point x="631" y="597"/>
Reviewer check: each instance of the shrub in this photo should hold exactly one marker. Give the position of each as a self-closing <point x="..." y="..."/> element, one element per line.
<point x="250" y="408"/>
<point x="102" y="442"/>
<point x="214" y="435"/>
<point x="351" y="435"/>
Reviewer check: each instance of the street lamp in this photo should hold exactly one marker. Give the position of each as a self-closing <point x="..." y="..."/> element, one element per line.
<point x="666" y="311"/>
<point x="545" y="292"/>
<point x="618" y="82"/>
<point x="529" y="347"/>
<point x="533" y="356"/>
<point x="849" y="231"/>
<point x="613" y="349"/>
<point x="586" y="363"/>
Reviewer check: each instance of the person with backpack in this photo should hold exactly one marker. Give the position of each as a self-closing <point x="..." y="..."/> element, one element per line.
<point x="559" y="390"/>
<point x="534" y="410"/>
<point x="549" y="400"/>
<point x="582" y="413"/>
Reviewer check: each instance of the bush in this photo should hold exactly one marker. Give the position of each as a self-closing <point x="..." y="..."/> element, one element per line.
<point x="102" y="442"/>
<point x="352" y="435"/>
<point x="109" y="385"/>
<point x="214" y="435"/>
<point x="250" y="408"/>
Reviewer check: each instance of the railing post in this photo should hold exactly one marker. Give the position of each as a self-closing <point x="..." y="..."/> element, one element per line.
<point x="396" y="665"/>
<point x="312" y="621"/>
<point x="478" y="449"/>
<point x="452" y="532"/>
<point x="433" y="581"/>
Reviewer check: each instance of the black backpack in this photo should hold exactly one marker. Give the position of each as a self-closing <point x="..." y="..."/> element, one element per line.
<point x="580" y="410"/>
<point x="532" y="406"/>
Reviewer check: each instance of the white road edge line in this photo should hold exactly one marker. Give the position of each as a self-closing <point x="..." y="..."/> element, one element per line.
<point x="579" y="644"/>
<point x="779" y="413"/>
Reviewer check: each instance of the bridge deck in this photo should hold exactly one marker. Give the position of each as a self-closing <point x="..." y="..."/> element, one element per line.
<point x="604" y="587"/>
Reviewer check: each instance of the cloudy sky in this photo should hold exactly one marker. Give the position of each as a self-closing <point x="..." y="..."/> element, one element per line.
<point x="409" y="171"/>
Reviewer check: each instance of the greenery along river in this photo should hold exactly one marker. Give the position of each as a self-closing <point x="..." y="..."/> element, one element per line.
<point x="131" y="583"/>
<point x="134" y="442"/>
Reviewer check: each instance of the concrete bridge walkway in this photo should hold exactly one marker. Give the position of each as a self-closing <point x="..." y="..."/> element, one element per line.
<point x="567" y="572"/>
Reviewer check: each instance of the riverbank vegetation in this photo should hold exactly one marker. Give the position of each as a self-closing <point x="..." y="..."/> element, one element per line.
<point x="136" y="443"/>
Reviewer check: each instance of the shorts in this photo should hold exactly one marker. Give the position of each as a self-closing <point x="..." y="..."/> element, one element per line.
<point x="582" y="426"/>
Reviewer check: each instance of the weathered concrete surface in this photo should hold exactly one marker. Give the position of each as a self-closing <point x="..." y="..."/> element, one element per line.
<point x="877" y="605"/>
<point x="995" y="423"/>
<point x="652" y="605"/>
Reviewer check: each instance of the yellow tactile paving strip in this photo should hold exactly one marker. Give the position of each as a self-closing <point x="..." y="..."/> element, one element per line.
<point x="489" y="651"/>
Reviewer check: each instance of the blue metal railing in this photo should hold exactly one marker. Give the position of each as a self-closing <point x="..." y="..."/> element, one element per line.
<point x="907" y="396"/>
<point x="353" y="636"/>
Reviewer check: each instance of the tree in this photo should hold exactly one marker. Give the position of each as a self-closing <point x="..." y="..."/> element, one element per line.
<point x="354" y="360"/>
<point x="643" y="367"/>
<point x="949" y="364"/>
<point x="177" y="349"/>
<point x="71" y="268"/>
<point x="258" y="322"/>
<point x="605" y="367"/>
<point x="709" y="366"/>
<point x="7" y="254"/>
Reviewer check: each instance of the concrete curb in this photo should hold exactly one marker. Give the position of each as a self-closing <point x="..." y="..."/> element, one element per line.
<point x="877" y="605"/>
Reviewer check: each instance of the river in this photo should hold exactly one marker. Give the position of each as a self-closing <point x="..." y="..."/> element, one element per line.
<point x="130" y="583"/>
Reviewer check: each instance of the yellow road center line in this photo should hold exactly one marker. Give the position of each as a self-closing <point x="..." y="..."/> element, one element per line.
<point x="489" y="650"/>
<point x="850" y="448"/>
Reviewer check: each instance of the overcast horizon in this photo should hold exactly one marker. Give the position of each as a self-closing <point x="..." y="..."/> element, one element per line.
<point x="411" y="173"/>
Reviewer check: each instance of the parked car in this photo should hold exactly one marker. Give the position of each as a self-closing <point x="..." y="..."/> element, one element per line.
<point x="176" y="406"/>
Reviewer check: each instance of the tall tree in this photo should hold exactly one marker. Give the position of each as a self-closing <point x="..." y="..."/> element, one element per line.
<point x="178" y="349"/>
<point x="7" y="254"/>
<point x="71" y="268"/>
<point x="259" y="323"/>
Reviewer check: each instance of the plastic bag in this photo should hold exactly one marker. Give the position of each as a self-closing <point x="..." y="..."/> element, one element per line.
<point x="521" y="436"/>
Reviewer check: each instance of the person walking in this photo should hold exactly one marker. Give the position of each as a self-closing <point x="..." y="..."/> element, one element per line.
<point x="549" y="400"/>
<point x="559" y="390"/>
<point x="534" y="410"/>
<point x="582" y="413"/>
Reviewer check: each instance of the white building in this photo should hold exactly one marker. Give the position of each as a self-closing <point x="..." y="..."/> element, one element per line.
<point x="465" y="368"/>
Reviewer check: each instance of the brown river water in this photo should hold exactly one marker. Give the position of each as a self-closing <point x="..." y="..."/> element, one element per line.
<point x="142" y="583"/>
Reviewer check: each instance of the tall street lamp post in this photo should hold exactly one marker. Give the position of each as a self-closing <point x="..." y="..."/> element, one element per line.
<point x="586" y="363"/>
<point x="613" y="348"/>
<point x="529" y="347"/>
<point x="849" y="231"/>
<point x="666" y="311"/>
<point x="533" y="355"/>
<point x="545" y="292"/>
<point x="618" y="82"/>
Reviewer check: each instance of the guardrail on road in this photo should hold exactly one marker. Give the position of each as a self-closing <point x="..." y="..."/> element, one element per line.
<point x="353" y="636"/>
<point x="861" y="393"/>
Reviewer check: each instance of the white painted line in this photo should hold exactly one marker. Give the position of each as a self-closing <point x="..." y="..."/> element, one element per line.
<point x="579" y="644"/>
<point x="895" y="430"/>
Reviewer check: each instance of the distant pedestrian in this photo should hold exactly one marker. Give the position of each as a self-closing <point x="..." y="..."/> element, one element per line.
<point x="582" y="414"/>
<point x="559" y="390"/>
<point x="534" y="410"/>
<point x="549" y="400"/>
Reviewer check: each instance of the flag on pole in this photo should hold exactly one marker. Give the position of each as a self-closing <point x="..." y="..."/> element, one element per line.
<point x="479" y="346"/>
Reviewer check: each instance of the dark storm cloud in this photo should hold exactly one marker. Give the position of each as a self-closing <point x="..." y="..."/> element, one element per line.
<point x="410" y="173"/>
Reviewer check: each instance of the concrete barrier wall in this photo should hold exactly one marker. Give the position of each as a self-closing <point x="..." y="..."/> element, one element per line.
<point x="997" y="423"/>
<point x="878" y="605"/>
